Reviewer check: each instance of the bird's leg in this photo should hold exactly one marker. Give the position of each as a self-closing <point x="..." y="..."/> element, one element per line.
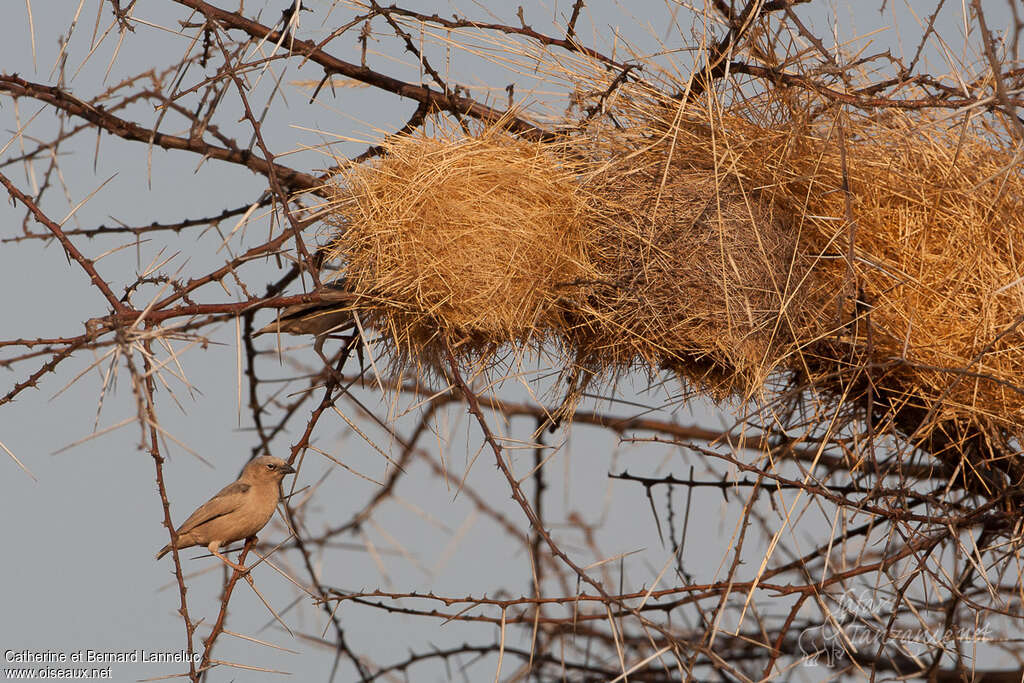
<point x="318" y="346"/>
<point x="215" y="547"/>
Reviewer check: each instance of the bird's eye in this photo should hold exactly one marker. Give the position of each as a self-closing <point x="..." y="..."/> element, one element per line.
<point x="271" y="467"/>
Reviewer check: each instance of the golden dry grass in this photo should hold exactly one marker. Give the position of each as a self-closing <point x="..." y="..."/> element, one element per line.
<point x="936" y="217"/>
<point x="471" y="241"/>
<point x="711" y="245"/>
<point x="694" y="276"/>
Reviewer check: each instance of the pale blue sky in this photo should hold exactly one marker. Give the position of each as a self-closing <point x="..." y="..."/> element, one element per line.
<point x="78" y="570"/>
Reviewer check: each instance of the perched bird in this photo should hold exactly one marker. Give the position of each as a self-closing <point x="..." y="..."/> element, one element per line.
<point x="327" y="316"/>
<point x="238" y="511"/>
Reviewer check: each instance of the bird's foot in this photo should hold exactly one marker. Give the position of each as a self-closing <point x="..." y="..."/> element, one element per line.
<point x="234" y="565"/>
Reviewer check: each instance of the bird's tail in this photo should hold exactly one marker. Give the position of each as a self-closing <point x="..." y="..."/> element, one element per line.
<point x="163" y="551"/>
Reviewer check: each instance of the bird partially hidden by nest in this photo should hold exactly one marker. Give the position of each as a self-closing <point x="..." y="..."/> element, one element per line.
<point x="239" y="511"/>
<point x="328" y="316"/>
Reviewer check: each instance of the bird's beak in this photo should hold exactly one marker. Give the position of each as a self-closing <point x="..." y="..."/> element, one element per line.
<point x="288" y="469"/>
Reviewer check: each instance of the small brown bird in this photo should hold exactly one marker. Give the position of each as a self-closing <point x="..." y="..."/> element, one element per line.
<point x="238" y="511"/>
<point x="328" y="316"/>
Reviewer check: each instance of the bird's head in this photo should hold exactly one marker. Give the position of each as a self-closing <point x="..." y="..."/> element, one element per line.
<point x="266" y="468"/>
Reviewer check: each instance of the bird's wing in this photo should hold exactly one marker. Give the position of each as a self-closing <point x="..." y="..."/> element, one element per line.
<point x="330" y="295"/>
<point x="229" y="499"/>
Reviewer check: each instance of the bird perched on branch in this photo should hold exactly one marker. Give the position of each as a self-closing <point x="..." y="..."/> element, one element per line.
<point x="238" y="511"/>
<point x="327" y="316"/>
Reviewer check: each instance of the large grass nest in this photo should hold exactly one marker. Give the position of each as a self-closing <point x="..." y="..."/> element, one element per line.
<point x="696" y="276"/>
<point x="916" y="228"/>
<point x="473" y="243"/>
<point x="883" y="250"/>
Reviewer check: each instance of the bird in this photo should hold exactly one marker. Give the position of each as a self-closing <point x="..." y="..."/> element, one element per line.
<point x="320" y="319"/>
<point x="238" y="511"/>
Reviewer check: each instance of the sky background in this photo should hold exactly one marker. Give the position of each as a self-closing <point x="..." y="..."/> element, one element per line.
<point x="78" y="570"/>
